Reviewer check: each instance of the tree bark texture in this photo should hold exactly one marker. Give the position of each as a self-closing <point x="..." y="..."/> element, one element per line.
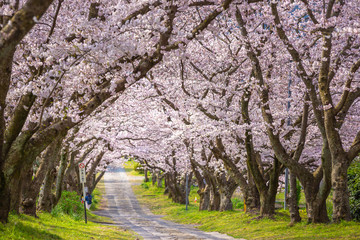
<point x="176" y="191"/>
<point x="247" y="187"/>
<point x="146" y="175"/>
<point x="341" y="205"/>
<point x="11" y="35"/>
<point x="226" y="191"/>
<point x="47" y="200"/>
<point x="214" y="204"/>
<point x="60" y="177"/>
<point x="47" y="166"/>
<point x="292" y="200"/>
<point x="203" y="191"/>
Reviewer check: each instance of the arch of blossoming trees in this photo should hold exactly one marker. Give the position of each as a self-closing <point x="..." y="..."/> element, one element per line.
<point x="231" y="92"/>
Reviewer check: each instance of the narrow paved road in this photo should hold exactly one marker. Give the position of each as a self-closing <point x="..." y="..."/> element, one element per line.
<point x="125" y="211"/>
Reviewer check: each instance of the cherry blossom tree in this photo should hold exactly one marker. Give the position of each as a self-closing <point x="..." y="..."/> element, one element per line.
<point x="185" y="86"/>
<point x="117" y="62"/>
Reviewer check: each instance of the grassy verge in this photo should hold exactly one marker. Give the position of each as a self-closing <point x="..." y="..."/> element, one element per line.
<point x="50" y="227"/>
<point x="131" y="168"/>
<point x="66" y="222"/>
<point x="239" y="224"/>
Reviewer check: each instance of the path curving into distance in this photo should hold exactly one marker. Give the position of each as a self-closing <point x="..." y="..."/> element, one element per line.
<point x="126" y="212"/>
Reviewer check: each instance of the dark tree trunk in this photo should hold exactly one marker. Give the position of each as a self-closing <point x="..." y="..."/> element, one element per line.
<point x="341" y="206"/>
<point x="60" y="178"/>
<point x="153" y="177"/>
<point x="47" y="166"/>
<point x="70" y="182"/>
<point x="204" y="190"/>
<point x="214" y="200"/>
<point x="267" y="203"/>
<point x="176" y="192"/>
<point x="267" y="207"/>
<point x="4" y="184"/>
<point x="12" y="35"/>
<point x="15" y="172"/>
<point x="167" y="185"/>
<point x="214" y="194"/>
<point x="28" y="201"/>
<point x="247" y="187"/>
<point x="4" y="199"/>
<point x="317" y="188"/>
<point x="267" y="199"/>
<point x="315" y="204"/>
<point x="251" y="198"/>
<point x="204" y="201"/>
<point x="225" y="200"/>
<point x="227" y="187"/>
<point x="15" y="193"/>
<point x="292" y="200"/>
<point x="146" y="175"/>
<point x="159" y="179"/>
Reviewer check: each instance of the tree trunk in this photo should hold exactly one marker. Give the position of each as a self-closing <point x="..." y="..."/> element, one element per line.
<point x="204" y="201"/>
<point x="146" y="175"/>
<point x="247" y="187"/>
<point x="48" y="163"/>
<point x="12" y="131"/>
<point x="214" y="195"/>
<point x="292" y="200"/>
<point x="46" y="197"/>
<point x="97" y="180"/>
<point x="315" y="205"/>
<point x="214" y="200"/>
<point x="317" y="188"/>
<point x="267" y="205"/>
<point x="203" y="191"/>
<point x="159" y="179"/>
<point x="227" y="187"/>
<point x="15" y="194"/>
<point x="153" y="177"/>
<point x="60" y="177"/>
<point x="28" y="200"/>
<point x="176" y="192"/>
<point x="225" y="197"/>
<point x="251" y="198"/>
<point x="268" y="194"/>
<point x="4" y="199"/>
<point x="341" y="206"/>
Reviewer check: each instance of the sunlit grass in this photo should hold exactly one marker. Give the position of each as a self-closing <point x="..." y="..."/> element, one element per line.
<point x="130" y="167"/>
<point x="239" y="224"/>
<point x="60" y="227"/>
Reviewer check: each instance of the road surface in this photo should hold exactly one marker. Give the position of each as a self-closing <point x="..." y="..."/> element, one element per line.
<point x="125" y="211"/>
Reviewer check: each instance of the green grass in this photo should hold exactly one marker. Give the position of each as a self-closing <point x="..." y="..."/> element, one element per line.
<point x="97" y="196"/>
<point x="66" y="222"/>
<point x="239" y="224"/>
<point x="130" y="168"/>
<point x="50" y="227"/>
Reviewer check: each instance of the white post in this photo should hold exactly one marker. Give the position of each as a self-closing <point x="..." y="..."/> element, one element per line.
<point x="82" y="181"/>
